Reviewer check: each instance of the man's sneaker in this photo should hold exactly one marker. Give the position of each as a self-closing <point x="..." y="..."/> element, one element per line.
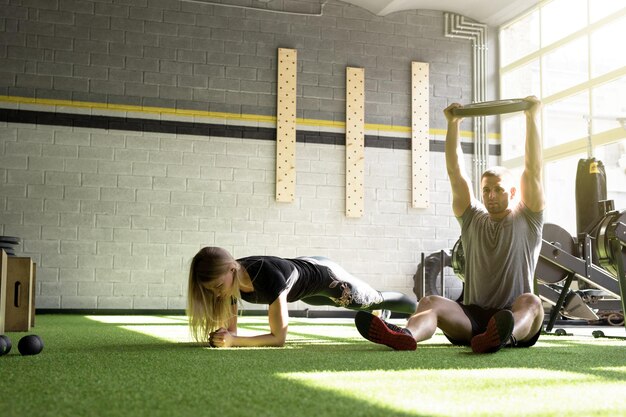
<point x="378" y="331"/>
<point x="497" y="335"/>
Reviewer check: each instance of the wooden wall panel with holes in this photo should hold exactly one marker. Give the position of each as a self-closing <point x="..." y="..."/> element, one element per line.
<point x="420" y="134"/>
<point x="355" y="141"/>
<point x="286" y="125"/>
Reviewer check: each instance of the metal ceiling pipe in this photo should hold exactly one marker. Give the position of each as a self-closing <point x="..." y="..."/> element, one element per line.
<point x="458" y="26"/>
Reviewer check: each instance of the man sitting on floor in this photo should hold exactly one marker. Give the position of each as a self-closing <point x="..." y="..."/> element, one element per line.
<point x="501" y="247"/>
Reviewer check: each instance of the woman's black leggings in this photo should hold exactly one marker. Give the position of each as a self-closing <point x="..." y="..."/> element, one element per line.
<point x="345" y="290"/>
<point x="391" y="300"/>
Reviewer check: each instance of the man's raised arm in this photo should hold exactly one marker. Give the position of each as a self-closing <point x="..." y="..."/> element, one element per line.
<point x="531" y="186"/>
<point x="459" y="181"/>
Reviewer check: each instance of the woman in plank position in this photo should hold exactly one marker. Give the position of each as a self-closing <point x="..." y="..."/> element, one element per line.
<point x="217" y="281"/>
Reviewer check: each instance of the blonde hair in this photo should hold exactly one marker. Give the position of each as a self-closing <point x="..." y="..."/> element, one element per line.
<point x="207" y="312"/>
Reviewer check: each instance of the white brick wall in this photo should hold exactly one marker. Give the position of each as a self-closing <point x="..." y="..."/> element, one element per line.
<point x="112" y="225"/>
<point x="102" y="210"/>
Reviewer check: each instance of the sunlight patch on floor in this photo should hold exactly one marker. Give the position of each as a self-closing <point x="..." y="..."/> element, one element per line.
<point x="302" y="331"/>
<point x="619" y="369"/>
<point x="175" y="334"/>
<point x="129" y="319"/>
<point x="168" y="328"/>
<point x="175" y="328"/>
<point x="473" y="392"/>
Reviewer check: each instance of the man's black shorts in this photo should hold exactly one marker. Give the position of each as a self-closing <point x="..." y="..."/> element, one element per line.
<point x="479" y="317"/>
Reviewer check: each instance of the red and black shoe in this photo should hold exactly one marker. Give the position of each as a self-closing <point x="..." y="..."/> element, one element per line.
<point x="379" y="331"/>
<point x="498" y="333"/>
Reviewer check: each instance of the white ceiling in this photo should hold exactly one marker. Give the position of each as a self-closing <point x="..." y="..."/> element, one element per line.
<point x="491" y="12"/>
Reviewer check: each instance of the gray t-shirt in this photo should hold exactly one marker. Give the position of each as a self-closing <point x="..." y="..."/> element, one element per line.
<point x="500" y="256"/>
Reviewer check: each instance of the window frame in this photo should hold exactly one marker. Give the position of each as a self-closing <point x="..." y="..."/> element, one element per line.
<point x="575" y="145"/>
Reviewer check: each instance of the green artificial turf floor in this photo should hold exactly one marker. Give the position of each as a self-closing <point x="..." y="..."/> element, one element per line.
<point x="147" y="366"/>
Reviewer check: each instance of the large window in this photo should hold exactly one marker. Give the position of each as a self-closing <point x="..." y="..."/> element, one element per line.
<point x="569" y="53"/>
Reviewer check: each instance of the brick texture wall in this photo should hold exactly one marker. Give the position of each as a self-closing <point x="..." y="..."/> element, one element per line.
<point x="113" y="215"/>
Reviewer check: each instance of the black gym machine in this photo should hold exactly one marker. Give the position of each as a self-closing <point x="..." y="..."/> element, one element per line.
<point x="596" y="257"/>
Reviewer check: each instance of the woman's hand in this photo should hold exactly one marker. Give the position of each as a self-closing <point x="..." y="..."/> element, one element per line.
<point x="278" y="320"/>
<point x="221" y="338"/>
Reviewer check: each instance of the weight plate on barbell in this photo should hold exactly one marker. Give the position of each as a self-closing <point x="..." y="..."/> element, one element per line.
<point x="457" y="259"/>
<point x="603" y="232"/>
<point x="10" y="239"/>
<point x="546" y="272"/>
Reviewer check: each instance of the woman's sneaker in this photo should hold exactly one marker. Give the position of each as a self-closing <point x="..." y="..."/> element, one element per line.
<point x="497" y="335"/>
<point x="379" y="331"/>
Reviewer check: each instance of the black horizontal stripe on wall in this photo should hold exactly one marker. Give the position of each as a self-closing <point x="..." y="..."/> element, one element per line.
<point x="208" y="129"/>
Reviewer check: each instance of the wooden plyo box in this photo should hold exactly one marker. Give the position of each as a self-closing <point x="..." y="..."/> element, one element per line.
<point x="17" y="293"/>
<point x="3" y="289"/>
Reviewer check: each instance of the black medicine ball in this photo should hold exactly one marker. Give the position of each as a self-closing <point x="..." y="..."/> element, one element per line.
<point x="30" y="345"/>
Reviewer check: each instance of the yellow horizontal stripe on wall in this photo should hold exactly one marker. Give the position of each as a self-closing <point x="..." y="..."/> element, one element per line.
<point x="216" y="115"/>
